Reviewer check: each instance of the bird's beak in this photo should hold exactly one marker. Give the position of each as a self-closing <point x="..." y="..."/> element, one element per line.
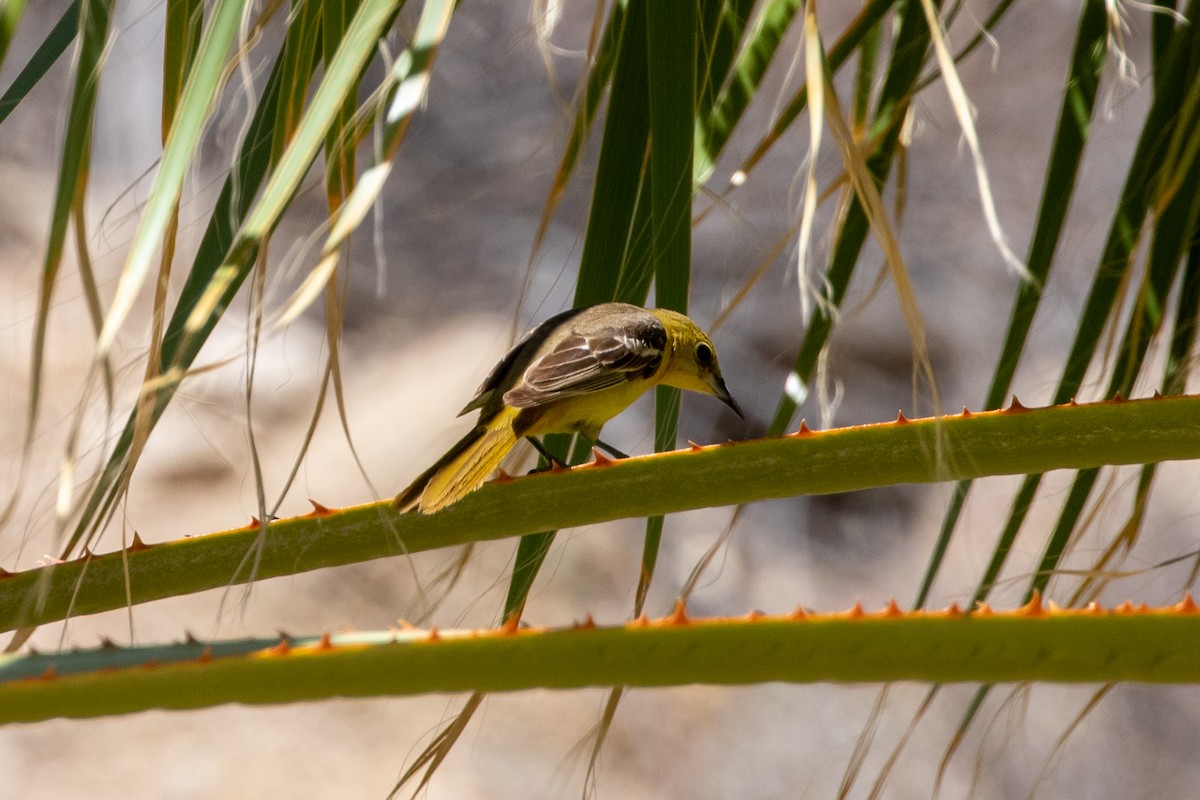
<point x="721" y="392"/>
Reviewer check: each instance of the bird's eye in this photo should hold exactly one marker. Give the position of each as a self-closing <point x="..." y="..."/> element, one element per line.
<point x="704" y="354"/>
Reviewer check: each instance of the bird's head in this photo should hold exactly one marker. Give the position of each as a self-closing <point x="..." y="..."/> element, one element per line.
<point x="693" y="360"/>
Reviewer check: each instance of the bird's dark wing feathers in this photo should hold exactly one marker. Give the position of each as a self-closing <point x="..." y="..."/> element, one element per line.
<point x="517" y="359"/>
<point x="588" y="363"/>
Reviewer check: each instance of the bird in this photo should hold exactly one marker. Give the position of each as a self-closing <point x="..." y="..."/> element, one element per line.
<point x="570" y="374"/>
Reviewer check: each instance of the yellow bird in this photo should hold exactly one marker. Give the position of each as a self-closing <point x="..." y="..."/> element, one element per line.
<point x="571" y="374"/>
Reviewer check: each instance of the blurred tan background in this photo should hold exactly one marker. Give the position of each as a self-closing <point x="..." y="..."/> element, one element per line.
<point x="435" y="279"/>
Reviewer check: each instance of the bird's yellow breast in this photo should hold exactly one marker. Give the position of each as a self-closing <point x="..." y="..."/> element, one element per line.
<point x="586" y="413"/>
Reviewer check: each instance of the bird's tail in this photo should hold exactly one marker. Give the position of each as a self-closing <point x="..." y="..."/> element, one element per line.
<point x="463" y="468"/>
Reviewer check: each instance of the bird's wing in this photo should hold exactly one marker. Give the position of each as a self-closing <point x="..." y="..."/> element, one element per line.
<point x="588" y="361"/>
<point x="517" y="359"/>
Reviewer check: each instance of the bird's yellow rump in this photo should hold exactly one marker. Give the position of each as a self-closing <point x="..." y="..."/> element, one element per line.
<point x="571" y="374"/>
